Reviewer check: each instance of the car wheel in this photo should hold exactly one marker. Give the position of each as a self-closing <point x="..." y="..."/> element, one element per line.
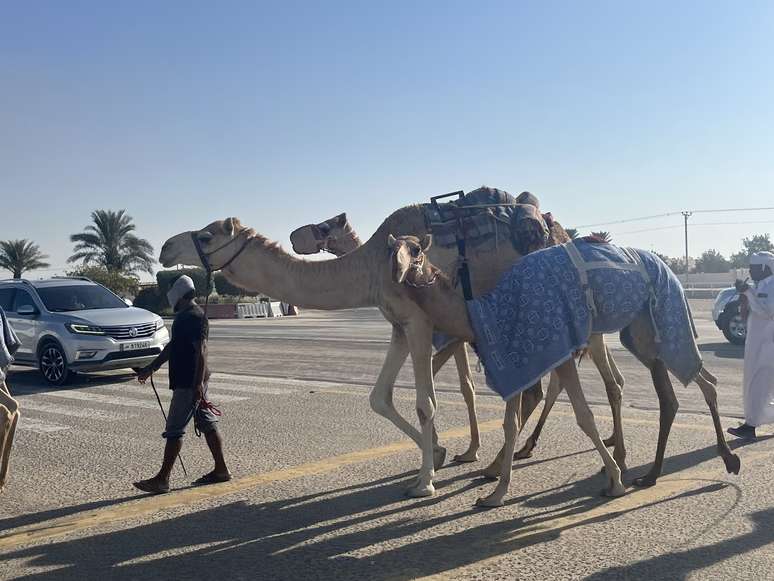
<point x="734" y="327"/>
<point x="52" y="363"/>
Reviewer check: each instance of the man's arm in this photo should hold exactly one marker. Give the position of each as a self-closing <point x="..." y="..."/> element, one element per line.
<point x="201" y="366"/>
<point x="154" y="365"/>
<point x="760" y="300"/>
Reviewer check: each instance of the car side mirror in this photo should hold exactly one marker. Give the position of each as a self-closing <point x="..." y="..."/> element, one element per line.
<point x="27" y="310"/>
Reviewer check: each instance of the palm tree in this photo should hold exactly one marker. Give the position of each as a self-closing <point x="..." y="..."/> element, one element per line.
<point x="603" y="235"/>
<point x="18" y="256"/>
<point x="110" y="243"/>
<point x="572" y="233"/>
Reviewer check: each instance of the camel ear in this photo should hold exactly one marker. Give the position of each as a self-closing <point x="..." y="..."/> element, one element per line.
<point x="427" y="242"/>
<point x="391" y="241"/>
<point x="341" y="219"/>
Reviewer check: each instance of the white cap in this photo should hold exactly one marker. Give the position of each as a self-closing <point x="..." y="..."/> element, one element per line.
<point x="182" y="286"/>
<point x="763" y="258"/>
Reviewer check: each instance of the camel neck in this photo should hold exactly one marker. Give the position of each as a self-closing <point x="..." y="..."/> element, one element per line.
<point x="341" y="283"/>
<point x="445" y="308"/>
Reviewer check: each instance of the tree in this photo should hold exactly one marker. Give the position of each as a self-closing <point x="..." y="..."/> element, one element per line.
<point x="121" y="284"/>
<point x="712" y="261"/>
<point x="19" y="256"/>
<point x="109" y="242"/>
<point x="756" y="243"/>
<point x="603" y="235"/>
<point x="572" y="233"/>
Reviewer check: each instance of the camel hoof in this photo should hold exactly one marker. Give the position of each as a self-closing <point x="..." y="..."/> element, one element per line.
<point x="644" y="482"/>
<point x="439" y="457"/>
<point x="614" y="491"/>
<point x="491" y="472"/>
<point x="733" y="464"/>
<point x="490" y="501"/>
<point x="467" y="457"/>
<point x="609" y="442"/>
<point x="420" y="491"/>
<point x="526" y="450"/>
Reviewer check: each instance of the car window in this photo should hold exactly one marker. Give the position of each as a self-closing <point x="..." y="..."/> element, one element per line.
<point x="23" y="298"/>
<point x="59" y="299"/>
<point x="6" y="298"/>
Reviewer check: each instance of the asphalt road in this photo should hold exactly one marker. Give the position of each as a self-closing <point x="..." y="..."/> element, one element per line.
<point x="319" y="478"/>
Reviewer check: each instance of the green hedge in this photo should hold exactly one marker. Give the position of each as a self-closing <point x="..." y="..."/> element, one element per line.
<point x="151" y="299"/>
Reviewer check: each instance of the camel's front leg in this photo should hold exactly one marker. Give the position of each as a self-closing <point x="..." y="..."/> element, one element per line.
<point x="9" y="418"/>
<point x="568" y="377"/>
<point x="510" y="428"/>
<point x="419" y="335"/>
<point x="707" y="386"/>
<point x="605" y="365"/>
<point x="381" y="394"/>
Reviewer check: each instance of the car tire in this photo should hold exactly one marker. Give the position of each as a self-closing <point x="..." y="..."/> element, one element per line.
<point x="734" y="327"/>
<point x="52" y="363"/>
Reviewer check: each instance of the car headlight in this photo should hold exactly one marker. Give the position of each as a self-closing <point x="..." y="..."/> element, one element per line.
<point x="159" y="324"/>
<point x="84" y="329"/>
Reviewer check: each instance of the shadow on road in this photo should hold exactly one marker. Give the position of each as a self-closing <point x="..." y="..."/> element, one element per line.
<point x="332" y="534"/>
<point x="723" y="350"/>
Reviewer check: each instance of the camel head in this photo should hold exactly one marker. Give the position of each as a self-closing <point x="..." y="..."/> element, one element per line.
<point x="409" y="262"/>
<point x="529" y="231"/>
<point x="334" y="235"/>
<point x="220" y="241"/>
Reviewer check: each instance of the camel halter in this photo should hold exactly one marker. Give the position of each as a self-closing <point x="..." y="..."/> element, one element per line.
<point x="205" y="256"/>
<point x="417" y="266"/>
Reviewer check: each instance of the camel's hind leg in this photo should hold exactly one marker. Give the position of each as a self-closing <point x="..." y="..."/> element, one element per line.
<point x="468" y="390"/>
<point x="9" y="418"/>
<point x="568" y="377"/>
<point x="510" y="429"/>
<point x="709" y="390"/>
<point x="552" y="392"/>
<point x="607" y="369"/>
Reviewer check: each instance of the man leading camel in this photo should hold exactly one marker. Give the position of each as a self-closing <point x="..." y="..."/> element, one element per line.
<point x="759" y="346"/>
<point x="188" y="375"/>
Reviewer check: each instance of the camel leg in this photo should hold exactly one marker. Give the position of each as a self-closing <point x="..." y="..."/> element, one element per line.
<point x="707" y="387"/>
<point x="619" y="380"/>
<point x="6" y="442"/>
<point x="510" y="425"/>
<point x="469" y="394"/>
<point x="552" y="392"/>
<point x="419" y="335"/>
<point x="381" y="394"/>
<point x="568" y="377"/>
<point x="602" y="360"/>
<point x="667" y="407"/>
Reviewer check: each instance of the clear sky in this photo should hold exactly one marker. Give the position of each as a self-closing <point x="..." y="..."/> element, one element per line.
<point x="282" y="113"/>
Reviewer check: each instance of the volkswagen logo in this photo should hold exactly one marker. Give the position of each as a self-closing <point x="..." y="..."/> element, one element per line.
<point x="133" y="332"/>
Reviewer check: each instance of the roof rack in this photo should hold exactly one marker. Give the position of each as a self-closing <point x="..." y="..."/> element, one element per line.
<point x="16" y="280"/>
<point x="86" y="278"/>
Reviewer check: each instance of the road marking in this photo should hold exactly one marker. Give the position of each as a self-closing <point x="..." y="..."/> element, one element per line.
<point x="151" y="505"/>
<point x="91" y="397"/>
<point x="39" y="426"/>
<point x="89" y="413"/>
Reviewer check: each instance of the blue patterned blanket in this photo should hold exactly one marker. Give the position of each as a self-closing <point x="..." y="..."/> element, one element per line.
<point x="541" y="312"/>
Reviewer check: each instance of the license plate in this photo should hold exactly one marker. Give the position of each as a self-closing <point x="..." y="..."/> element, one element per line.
<point x="135" y="346"/>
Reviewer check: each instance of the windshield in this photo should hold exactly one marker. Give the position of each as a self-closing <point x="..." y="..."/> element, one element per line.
<point x="59" y="299"/>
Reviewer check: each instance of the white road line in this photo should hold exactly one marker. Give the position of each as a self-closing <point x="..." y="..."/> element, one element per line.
<point x="83" y="412"/>
<point x="92" y="397"/>
<point x="28" y="424"/>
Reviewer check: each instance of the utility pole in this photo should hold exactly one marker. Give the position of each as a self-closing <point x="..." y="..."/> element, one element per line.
<point x="686" y="215"/>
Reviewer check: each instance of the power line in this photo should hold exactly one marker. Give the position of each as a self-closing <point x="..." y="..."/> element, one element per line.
<point x="675" y="226"/>
<point x="667" y="214"/>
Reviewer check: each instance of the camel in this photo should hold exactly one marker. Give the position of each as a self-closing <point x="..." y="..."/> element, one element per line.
<point x="337" y="236"/>
<point x="361" y="279"/>
<point x="432" y="291"/>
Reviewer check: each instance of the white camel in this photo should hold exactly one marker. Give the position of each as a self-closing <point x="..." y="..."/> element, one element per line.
<point x="430" y="289"/>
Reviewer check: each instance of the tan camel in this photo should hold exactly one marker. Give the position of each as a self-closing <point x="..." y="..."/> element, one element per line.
<point x="431" y="290"/>
<point x="337" y="236"/>
<point x="9" y="418"/>
<point x="359" y="279"/>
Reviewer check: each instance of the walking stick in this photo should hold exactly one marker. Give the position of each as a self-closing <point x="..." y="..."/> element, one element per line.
<point x="163" y="413"/>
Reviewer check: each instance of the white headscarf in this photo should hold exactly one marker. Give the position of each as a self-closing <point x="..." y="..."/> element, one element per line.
<point x="182" y="286"/>
<point x="764" y="258"/>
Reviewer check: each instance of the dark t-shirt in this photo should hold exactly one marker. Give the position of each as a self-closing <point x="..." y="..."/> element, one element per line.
<point x="188" y="329"/>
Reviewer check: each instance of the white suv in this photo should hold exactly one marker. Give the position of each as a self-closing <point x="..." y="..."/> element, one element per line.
<point x="74" y="324"/>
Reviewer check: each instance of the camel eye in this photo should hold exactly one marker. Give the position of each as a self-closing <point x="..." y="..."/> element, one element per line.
<point x="204" y="236"/>
<point x="414" y="251"/>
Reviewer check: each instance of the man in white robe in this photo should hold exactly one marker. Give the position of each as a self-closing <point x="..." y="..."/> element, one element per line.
<point x="758" y="302"/>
